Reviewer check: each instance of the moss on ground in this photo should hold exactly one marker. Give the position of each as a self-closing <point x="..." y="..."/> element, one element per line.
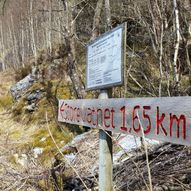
<point x="16" y="134"/>
<point x="42" y="139"/>
<point x="35" y="86"/>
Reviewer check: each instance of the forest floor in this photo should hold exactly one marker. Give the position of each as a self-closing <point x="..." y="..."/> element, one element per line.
<point x="17" y="170"/>
<point x="21" y="169"/>
<point x="16" y="167"/>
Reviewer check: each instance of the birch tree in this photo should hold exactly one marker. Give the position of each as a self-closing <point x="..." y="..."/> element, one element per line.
<point x="176" y="48"/>
<point x="97" y="17"/>
<point x="2" y="56"/>
<point x="33" y="43"/>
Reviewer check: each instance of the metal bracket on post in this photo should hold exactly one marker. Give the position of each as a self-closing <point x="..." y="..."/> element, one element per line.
<point x="105" y="155"/>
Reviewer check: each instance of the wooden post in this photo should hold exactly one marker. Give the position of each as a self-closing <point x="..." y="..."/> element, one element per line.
<point x="105" y="154"/>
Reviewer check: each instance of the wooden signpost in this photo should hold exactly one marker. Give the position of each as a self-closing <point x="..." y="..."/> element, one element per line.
<point x="105" y="69"/>
<point x="165" y="119"/>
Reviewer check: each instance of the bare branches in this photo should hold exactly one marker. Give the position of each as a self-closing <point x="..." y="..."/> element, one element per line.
<point x="72" y="60"/>
<point x="68" y="162"/>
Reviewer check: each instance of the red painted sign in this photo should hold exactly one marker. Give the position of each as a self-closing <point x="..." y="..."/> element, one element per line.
<point x="165" y="119"/>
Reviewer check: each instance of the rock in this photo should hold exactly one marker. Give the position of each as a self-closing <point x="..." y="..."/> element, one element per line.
<point x="129" y="142"/>
<point x="43" y="139"/>
<point x="69" y="150"/>
<point x="18" y="89"/>
<point x="57" y="62"/>
<point x="70" y="157"/>
<point x="72" y="146"/>
<point x="34" y="96"/>
<point x="30" y="108"/>
<point x="37" y="151"/>
<point x="22" y="160"/>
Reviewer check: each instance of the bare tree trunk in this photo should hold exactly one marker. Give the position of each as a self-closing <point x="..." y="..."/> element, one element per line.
<point x="176" y="48"/>
<point x="12" y="45"/>
<point x="187" y="8"/>
<point x="38" y="45"/>
<point x="2" y="46"/>
<point x="97" y="17"/>
<point x="28" y="40"/>
<point x="22" y="46"/>
<point x="22" y="43"/>
<point x="50" y="27"/>
<point x="33" y="43"/>
<point x="70" y="43"/>
<point x="15" y="46"/>
<point x="59" y="23"/>
<point x="108" y="14"/>
<point x="162" y="18"/>
<point x="154" y="16"/>
<point x="188" y="62"/>
<point x="160" y="60"/>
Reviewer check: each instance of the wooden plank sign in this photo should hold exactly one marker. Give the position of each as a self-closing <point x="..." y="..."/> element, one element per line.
<point x="166" y="119"/>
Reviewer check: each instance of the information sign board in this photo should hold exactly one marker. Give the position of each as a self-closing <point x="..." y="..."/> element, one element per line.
<point x="105" y="59"/>
<point x="166" y="119"/>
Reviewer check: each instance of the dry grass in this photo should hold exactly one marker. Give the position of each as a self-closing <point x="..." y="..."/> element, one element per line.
<point x="6" y="81"/>
<point x="14" y="143"/>
<point x="6" y="101"/>
<point x="17" y="141"/>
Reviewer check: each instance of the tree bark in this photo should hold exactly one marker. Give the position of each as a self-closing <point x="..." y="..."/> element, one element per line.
<point x="108" y="14"/>
<point x="96" y="21"/>
<point x="70" y="43"/>
<point x="33" y="43"/>
<point x="176" y="48"/>
<point x="2" y="46"/>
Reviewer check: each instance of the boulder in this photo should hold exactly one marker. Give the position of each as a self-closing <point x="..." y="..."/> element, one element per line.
<point x="34" y="96"/>
<point x="37" y="151"/>
<point x="21" y="160"/>
<point x="18" y="89"/>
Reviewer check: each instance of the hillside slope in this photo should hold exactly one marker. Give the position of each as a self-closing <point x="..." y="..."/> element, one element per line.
<point x="34" y="161"/>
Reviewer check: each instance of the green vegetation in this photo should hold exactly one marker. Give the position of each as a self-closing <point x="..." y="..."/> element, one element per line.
<point x="42" y="139"/>
<point x="46" y="105"/>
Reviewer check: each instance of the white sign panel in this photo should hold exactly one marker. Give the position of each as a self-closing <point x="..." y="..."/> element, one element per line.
<point x="105" y="58"/>
<point x="166" y="119"/>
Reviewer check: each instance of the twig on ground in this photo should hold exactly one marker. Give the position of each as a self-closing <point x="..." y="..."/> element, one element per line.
<point x="48" y="128"/>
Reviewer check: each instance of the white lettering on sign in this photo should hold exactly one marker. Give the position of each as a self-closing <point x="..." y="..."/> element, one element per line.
<point x="166" y="119"/>
<point x="105" y="59"/>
